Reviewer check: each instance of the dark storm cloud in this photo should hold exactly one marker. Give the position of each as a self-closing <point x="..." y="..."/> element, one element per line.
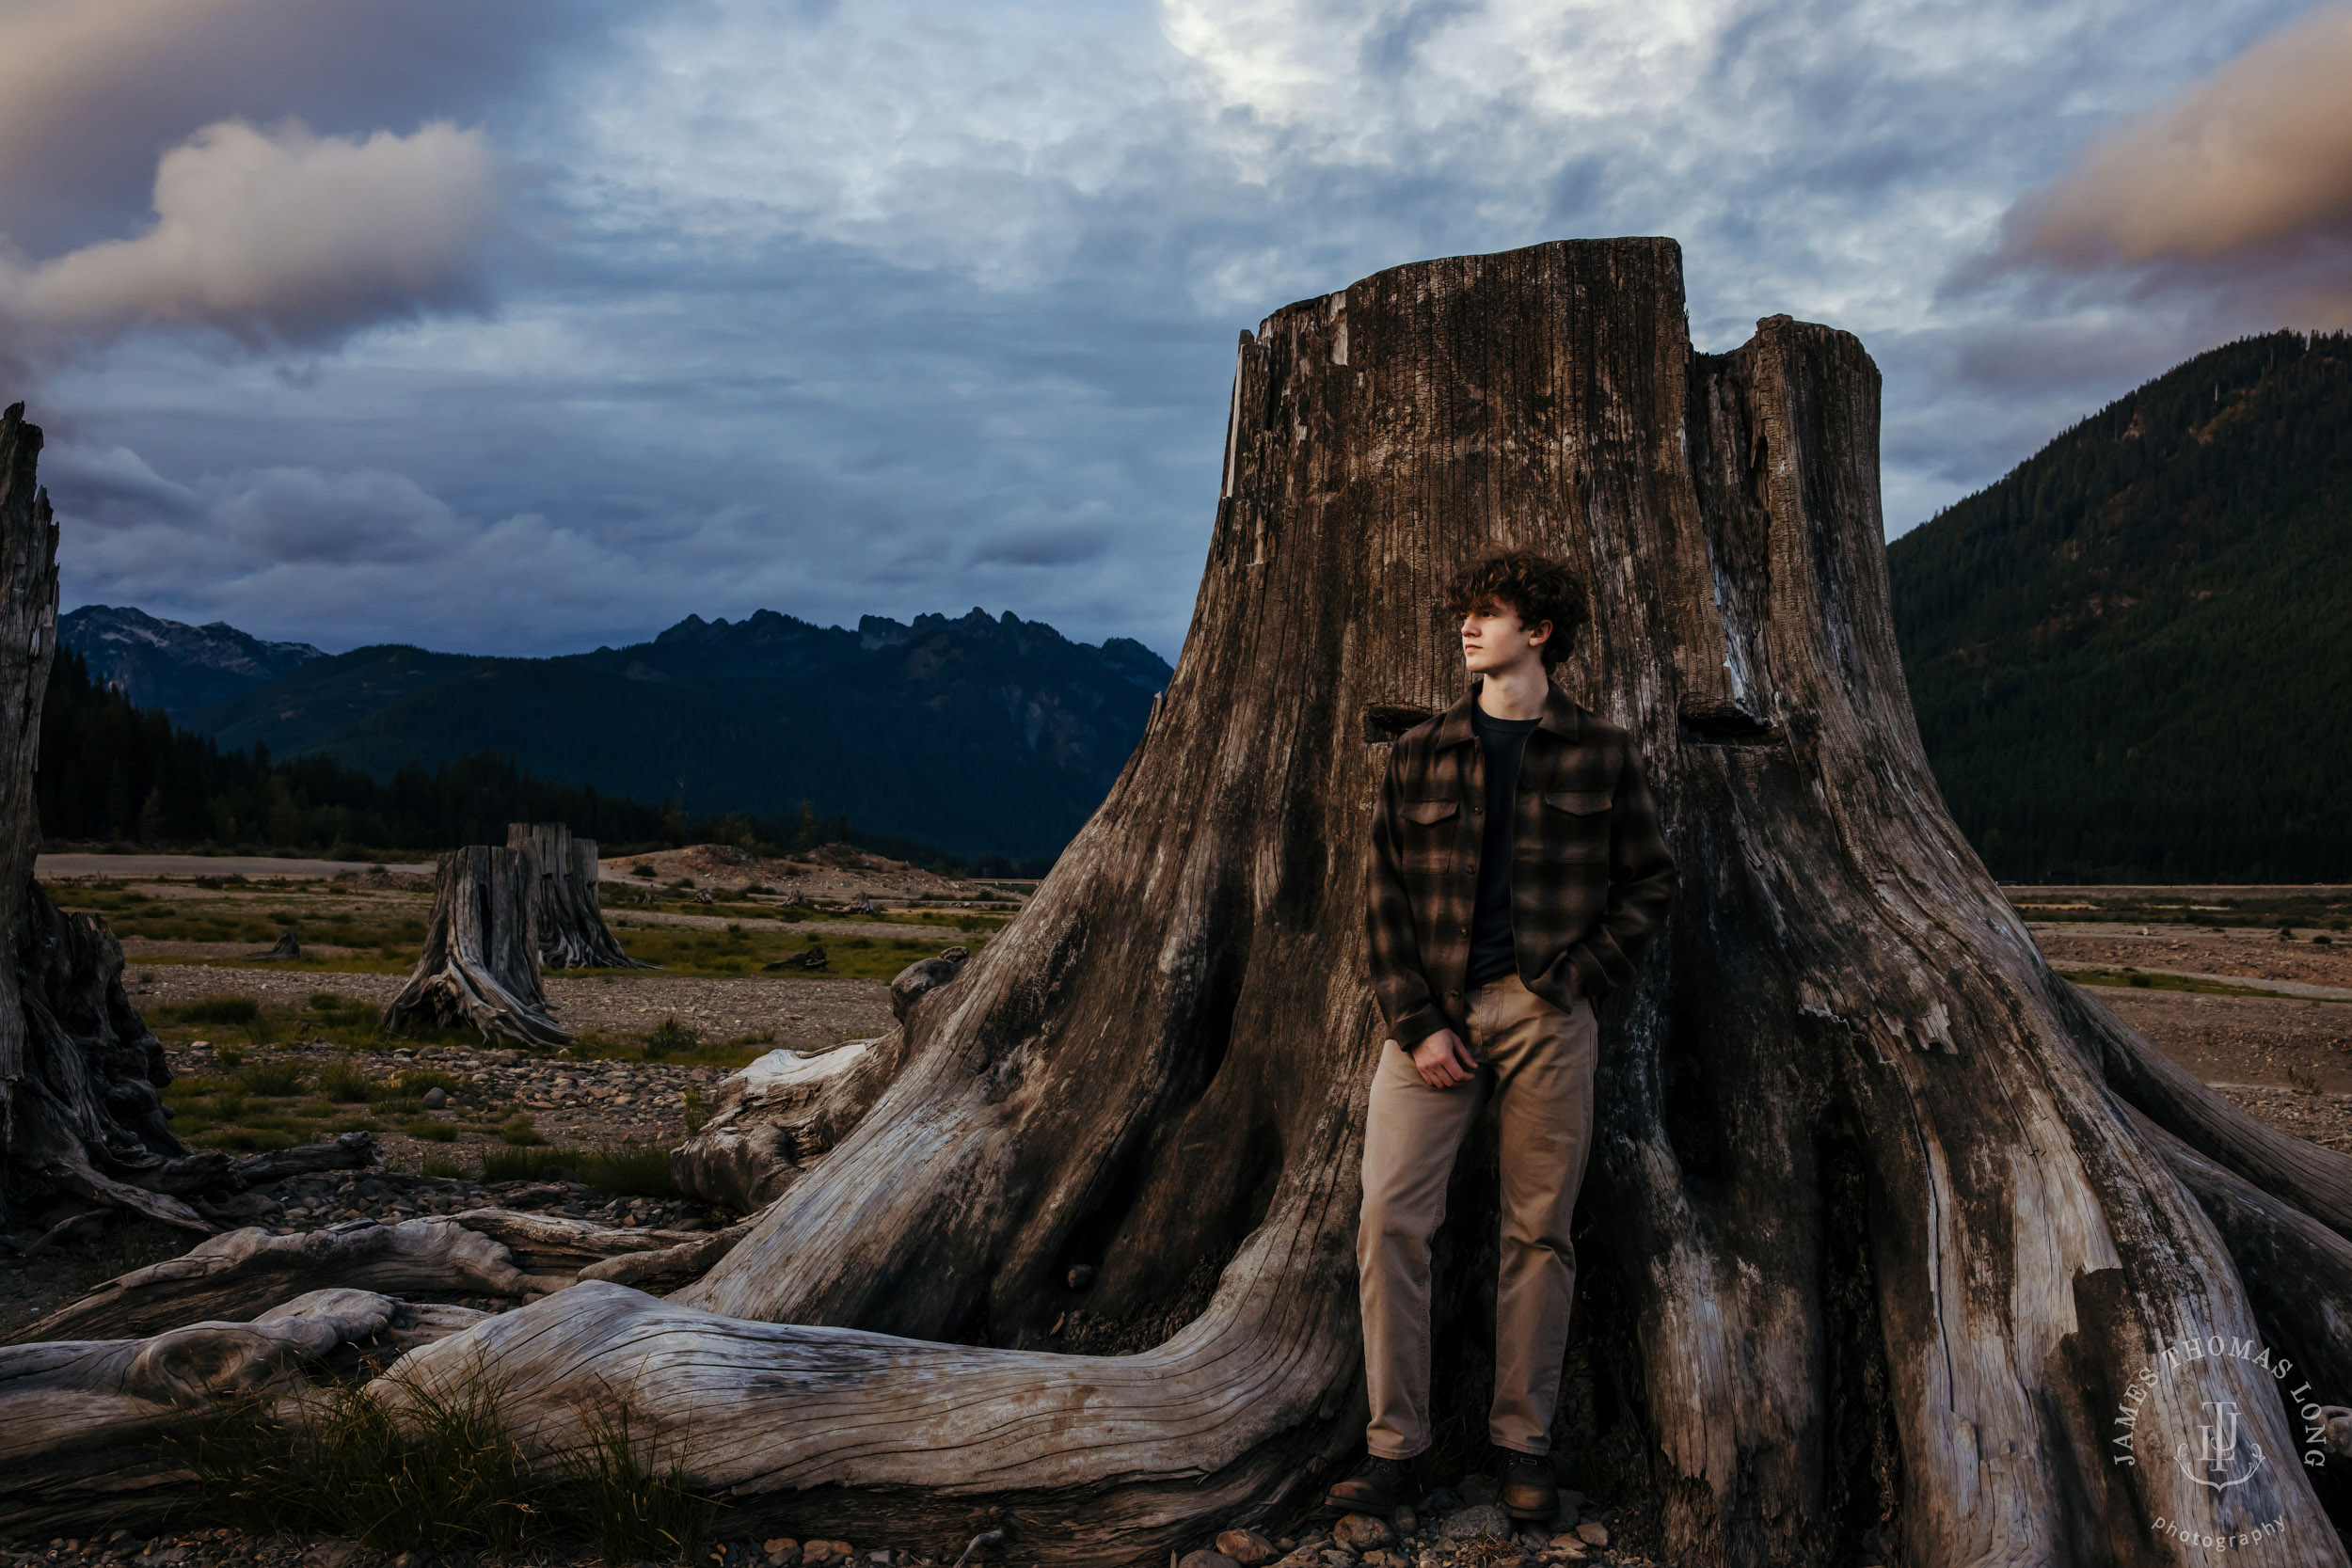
<point x="908" y="307"/>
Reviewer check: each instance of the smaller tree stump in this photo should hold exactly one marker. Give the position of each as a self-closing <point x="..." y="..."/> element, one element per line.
<point x="567" y="914"/>
<point x="480" y="963"/>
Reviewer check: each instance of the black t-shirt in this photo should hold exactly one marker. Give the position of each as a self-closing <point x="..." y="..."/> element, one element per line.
<point x="1491" y="955"/>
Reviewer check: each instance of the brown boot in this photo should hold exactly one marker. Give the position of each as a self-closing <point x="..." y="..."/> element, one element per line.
<point x="1525" y="1486"/>
<point x="1377" y="1486"/>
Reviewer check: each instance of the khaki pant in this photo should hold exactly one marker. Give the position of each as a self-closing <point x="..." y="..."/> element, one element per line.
<point x="1537" y="1063"/>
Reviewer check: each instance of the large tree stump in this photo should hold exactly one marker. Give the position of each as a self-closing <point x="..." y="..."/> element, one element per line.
<point x="480" y="968"/>
<point x="1874" y="1245"/>
<point x="565" y="909"/>
<point x="1886" y="1220"/>
<point x="80" y="1119"/>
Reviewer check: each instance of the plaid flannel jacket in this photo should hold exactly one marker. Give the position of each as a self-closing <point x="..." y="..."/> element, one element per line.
<point x="1589" y="874"/>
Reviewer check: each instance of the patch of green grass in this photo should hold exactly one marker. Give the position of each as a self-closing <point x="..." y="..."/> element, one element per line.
<point x="441" y="1165"/>
<point x="230" y="1012"/>
<point x="668" y="1038"/>
<point x="520" y="1164"/>
<point x="521" y="1133"/>
<point x="636" y="1507"/>
<point x="246" y="1140"/>
<point x="272" y="1080"/>
<point x="2140" y="980"/>
<point x="629" y="1171"/>
<point x="431" y="1131"/>
<point x="424" y="1469"/>
<point x="342" y="1079"/>
<point x="739" y="1051"/>
<point x="742" y="949"/>
<point x="416" y="1079"/>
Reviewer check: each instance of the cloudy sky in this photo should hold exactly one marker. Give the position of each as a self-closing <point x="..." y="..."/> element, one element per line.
<point x="527" y="326"/>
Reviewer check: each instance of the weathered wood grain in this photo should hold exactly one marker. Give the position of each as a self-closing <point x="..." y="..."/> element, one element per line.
<point x="479" y="967"/>
<point x="567" y="915"/>
<point x="83" y="1422"/>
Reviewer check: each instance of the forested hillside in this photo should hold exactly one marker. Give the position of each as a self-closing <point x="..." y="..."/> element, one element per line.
<point x="2128" y="656"/>
<point x="110" y="770"/>
<point x="984" y="736"/>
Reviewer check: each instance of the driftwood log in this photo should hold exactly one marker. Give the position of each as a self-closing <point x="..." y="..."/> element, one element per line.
<point x="83" y="1442"/>
<point x="566" y="911"/>
<point x="480" y="968"/>
<point x="775" y="1119"/>
<point x="481" y="1252"/>
<point x="1889" y="1227"/>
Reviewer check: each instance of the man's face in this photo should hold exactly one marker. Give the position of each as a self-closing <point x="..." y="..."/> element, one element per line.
<point x="1494" y="640"/>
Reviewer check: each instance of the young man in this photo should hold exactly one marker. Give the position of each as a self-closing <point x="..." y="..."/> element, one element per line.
<point x="1516" y="873"/>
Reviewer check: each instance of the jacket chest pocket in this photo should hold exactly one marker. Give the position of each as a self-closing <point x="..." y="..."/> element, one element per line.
<point x="1428" y="834"/>
<point x="1575" y="825"/>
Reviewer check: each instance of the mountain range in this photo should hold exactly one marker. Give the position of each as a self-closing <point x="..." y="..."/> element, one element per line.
<point x="2127" y="656"/>
<point x="978" y="734"/>
<point x="178" y="668"/>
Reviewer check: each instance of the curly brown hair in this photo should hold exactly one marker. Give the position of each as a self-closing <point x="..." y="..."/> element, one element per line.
<point x="1536" y="587"/>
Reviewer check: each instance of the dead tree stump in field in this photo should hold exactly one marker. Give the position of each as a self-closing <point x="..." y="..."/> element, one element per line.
<point x="480" y="968"/>
<point x="79" y="1116"/>
<point x="1874" y="1244"/>
<point x="566" y="908"/>
<point x="1888" y="1225"/>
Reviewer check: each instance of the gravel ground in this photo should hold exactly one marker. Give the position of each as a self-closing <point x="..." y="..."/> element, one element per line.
<point x="1462" y="1529"/>
<point x="2248" y="955"/>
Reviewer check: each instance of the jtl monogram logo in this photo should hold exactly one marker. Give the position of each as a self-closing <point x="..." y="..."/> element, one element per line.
<point x="2218" y="1449"/>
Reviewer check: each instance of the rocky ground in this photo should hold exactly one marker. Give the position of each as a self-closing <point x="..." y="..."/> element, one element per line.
<point x="2286" y="1058"/>
<point x="1453" y="1529"/>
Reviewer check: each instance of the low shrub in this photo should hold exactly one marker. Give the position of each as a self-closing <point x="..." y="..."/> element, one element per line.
<point x="668" y="1036"/>
<point x="342" y="1079"/>
<point x="230" y="1012"/>
<point x="629" y="1171"/>
<point x="437" y="1469"/>
<point x="635" y="1508"/>
<point x="236" y="1011"/>
<point x="272" y="1079"/>
<point x="244" y="1140"/>
<point x="442" y="1473"/>
<point x="525" y="1163"/>
<point x="521" y="1134"/>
